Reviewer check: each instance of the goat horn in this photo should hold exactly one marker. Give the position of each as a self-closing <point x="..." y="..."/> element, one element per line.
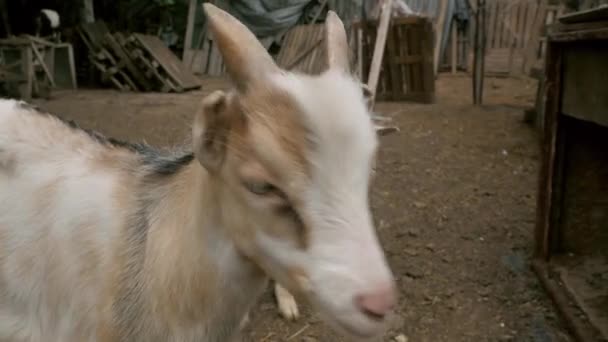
<point x="337" y="43"/>
<point x="247" y="61"/>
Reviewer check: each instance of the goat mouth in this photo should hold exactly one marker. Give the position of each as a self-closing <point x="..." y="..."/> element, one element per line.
<point x="345" y="326"/>
<point x="353" y="331"/>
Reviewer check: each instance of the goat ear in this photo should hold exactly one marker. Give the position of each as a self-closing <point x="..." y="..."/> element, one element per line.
<point x="337" y="43"/>
<point x="246" y="60"/>
<point x="210" y="131"/>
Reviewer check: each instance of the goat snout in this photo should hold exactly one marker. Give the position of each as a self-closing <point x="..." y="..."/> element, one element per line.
<point x="378" y="302"/>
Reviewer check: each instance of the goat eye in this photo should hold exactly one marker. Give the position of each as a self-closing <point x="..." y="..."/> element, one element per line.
<point x="260" y="188"/>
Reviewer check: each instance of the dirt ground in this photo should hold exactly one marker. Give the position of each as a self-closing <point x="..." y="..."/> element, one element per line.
<point x="454" y="203"/>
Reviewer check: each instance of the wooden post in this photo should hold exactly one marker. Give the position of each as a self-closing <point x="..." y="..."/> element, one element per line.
<point x="360" y="52"/>
<point x="439" y="27"/>
<point x="383" y="27"/>
<point x="534" y="38"/>
<point x="479" y="55"/>
<point x="4" y="14"/>
<point x="454" y="47"/>
<point x="321" y="8"/>
<point x="88" y="11"/>
<point x="189" y="32"/>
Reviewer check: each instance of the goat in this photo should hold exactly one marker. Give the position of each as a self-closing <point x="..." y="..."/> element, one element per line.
<point x="102" y="240"/>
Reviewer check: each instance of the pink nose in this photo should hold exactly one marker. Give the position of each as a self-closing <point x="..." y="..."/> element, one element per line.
<point x="377" y="303"/>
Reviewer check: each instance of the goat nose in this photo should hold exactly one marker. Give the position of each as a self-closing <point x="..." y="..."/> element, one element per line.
<point x="377" y="303"/>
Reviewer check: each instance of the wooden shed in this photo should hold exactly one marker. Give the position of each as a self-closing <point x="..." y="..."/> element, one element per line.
<point x="572" y="226"/>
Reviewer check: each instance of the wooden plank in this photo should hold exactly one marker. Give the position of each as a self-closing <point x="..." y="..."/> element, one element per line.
<point x="512" y="36"/>
<point x="168" y="61"/>
<point x="71" y="62"/>
<point x="374" y="73"/>
<point x="530" y="53"/>
<point x="521" y="24"/>
<point x="592" y="34"/>
<point x="391" y="51"/>
<point x="492" y="23"/>
<point x="595" y="14"/>
<point x="532" y="8"/>
<point x="512" y="25"/>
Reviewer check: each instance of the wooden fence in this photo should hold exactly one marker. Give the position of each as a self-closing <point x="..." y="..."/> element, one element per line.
<point x="513" y="41"/>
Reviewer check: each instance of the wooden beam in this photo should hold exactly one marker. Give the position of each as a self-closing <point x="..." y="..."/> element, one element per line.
<point x="383" y="27"/>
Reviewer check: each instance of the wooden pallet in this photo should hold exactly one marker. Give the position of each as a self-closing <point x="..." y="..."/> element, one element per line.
<point x="94" y="35"/>
<point x="150" y="67"/>
<point x="161" y="58"/>
<point x="137" y="62"/>
<point x="111" y="43"/>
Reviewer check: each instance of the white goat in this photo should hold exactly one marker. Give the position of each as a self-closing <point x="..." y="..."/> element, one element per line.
<point x="107" y="241"/>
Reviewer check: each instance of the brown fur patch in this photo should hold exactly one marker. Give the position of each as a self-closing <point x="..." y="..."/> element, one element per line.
<point x="279" y="112"/>
<point x="280" y="115"/>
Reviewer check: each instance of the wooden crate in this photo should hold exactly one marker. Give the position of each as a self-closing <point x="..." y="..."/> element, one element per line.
<point x="571" y="237"/>
<point x="407" y="72"/>
<point x="304" y="50"/>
